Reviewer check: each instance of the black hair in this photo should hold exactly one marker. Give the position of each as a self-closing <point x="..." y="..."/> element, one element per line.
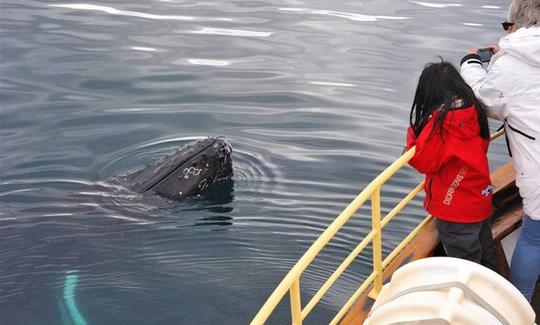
<point x="440" y="84"/>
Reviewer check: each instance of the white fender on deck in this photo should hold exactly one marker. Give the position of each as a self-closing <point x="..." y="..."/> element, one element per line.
<point x="446" y="290"/>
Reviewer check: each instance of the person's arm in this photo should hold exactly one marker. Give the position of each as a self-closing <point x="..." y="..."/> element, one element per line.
<point x="431" y="153"/>
<point x="411" y="139"/>
<point x="487" y="86"/>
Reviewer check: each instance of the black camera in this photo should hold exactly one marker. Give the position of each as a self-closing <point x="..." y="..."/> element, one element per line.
<point x="485" y="54"/>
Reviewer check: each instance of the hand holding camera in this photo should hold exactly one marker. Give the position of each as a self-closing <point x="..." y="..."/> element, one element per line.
<point x="485" y="54"/>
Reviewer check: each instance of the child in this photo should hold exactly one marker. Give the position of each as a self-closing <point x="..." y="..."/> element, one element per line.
<point x="449" y="127"/>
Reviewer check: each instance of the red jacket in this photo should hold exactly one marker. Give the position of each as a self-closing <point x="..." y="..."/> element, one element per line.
<point x="458" y="187"/>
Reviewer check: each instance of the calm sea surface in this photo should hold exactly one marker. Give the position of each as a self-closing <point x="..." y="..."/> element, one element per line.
<point x="313" y="96"/>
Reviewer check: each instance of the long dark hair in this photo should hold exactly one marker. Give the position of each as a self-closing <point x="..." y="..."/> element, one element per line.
<point x="440" y="84"/>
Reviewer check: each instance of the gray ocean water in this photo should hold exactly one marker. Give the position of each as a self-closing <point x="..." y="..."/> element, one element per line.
<point x="313" y="96"/>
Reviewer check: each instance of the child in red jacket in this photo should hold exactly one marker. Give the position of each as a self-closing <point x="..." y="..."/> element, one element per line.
<point x="449" y="127"/>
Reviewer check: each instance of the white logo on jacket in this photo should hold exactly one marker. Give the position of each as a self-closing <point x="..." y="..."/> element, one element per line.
<point x="455" y="183"/>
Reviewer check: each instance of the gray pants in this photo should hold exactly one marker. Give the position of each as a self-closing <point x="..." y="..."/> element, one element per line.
<point x="470" y="241"/>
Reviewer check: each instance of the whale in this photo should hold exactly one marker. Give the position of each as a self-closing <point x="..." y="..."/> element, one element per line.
<point x="189" y="170"/>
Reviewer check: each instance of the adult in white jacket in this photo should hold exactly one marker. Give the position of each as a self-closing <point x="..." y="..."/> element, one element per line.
<point x="510" y="90"/>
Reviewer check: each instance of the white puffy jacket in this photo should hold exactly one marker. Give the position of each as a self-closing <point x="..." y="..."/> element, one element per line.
<point x="510" y="89"/>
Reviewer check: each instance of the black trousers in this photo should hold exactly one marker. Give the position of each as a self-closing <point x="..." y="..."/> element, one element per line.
<point x="470" y="241"/>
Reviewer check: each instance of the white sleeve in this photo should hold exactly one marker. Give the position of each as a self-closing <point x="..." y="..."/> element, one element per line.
<point x="486" y="85"/>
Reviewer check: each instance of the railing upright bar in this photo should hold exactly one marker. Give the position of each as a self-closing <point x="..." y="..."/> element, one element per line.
<point x="377" y="241"/>
<point x="296" y="304"/>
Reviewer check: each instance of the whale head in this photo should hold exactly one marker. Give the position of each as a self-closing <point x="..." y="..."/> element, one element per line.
<point x="189" y="170"/>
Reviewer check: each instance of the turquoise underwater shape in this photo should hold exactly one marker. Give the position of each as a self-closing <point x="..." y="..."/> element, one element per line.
<point x="73" y="316"/>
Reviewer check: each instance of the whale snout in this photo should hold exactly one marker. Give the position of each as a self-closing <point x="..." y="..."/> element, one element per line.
<point x="189" y="170"/>
<point x="224" y="158"/>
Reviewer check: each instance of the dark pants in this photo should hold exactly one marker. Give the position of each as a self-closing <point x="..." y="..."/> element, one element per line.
<point x="470" y="241"/>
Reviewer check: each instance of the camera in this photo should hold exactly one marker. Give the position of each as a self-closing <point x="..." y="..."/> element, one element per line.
<point x="485" y="54"/>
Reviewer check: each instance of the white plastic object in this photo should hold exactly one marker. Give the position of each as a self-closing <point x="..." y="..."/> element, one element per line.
<point x="446" y="290"/>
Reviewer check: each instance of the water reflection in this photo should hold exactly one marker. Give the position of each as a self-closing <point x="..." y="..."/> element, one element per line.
<point x="114" y="11"/>
<point x="215" y="221"/>
<point x="473" y="24"/>
<point x="215" y="63"/>
<point x="142" y="48"/>
<point x="231" y="32"/>
<point x="334" y="84"/>
<point x="435" y="5"/>
<point x="341" y="14"/>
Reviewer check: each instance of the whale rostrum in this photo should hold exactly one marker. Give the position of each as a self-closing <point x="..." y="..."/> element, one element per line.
<point x="189" y="170"/>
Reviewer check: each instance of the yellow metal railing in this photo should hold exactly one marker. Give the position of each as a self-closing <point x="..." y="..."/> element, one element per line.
<point x="291" y="282"/>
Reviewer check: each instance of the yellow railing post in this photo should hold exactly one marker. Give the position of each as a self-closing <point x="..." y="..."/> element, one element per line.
<point x="296" y="305"/>
<point x="377" y="242"/>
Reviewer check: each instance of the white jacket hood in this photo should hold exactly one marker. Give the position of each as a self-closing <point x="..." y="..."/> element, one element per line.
<point x="523" y="44"/>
